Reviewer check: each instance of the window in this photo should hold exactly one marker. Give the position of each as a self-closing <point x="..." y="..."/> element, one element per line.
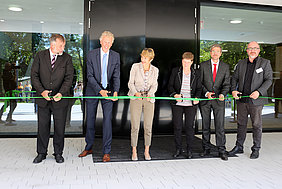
<point x="233" y="27"/>
<point x="25" y="29"/>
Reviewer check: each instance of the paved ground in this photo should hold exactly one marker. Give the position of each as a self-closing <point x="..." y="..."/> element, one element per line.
<point x="18" y="172"/>
<point x="26" y="119"/>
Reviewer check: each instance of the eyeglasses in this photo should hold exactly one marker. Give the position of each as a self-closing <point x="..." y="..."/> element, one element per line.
<point x="255" y="48"/>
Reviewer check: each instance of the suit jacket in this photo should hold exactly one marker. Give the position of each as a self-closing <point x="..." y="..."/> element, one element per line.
<point x="58" y="80"/>
<point x="222" y="80"/>
<point x="261" y="81"/>
<point x="136" y="80"/>
<point x="175" y="83"/>
<point x="94" y="73"/>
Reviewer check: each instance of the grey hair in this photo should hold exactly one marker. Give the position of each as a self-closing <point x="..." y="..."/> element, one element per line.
<point x="108" y="34"/>
<point x="54" y="37"/>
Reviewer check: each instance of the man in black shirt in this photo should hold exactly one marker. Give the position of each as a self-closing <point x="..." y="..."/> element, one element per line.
<point x="252" y="77"/>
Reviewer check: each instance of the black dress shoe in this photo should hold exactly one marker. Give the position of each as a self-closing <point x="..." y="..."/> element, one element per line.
<point x="236" y="150"/>
<point x="223" y="156"/>
<point x="178" y="153"/>
<point x="59" y="158"/>
<point x="206" y="152"/>
<point x="254" y="154"/>
<point x="39" y="158"/>
<point x="189" y="154"/>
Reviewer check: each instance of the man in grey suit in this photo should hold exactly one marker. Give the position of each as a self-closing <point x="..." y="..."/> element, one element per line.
<point x="103" y="79"/>
<point x="215" y="78"/>
<point x="252" y="77"/>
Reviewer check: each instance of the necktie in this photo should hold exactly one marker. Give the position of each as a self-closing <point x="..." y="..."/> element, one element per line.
<point x="104" y="72"/>
<point x="214" y="72"/>
<point x="53" y="61"/>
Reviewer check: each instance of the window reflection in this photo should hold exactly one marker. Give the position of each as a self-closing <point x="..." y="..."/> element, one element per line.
<point x="217" y="26"/>
<point x="22" y="35"/>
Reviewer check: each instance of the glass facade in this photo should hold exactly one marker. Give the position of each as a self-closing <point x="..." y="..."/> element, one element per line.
<point x="169" y="27"/>
<point x="22" y="34"/>
<point x="233" y="27"/>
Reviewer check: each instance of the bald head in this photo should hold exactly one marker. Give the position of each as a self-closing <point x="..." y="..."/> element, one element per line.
<point x="253" y="43"/>
<point x="253" y="50"/>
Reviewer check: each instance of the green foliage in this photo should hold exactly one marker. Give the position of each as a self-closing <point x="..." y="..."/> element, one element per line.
<point x="235" y="51"/>
<point x="74" y="48"/>
<point x="22" y="47"/>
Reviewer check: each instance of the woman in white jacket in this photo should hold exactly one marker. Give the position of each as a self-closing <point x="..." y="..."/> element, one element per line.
<point x="143" y="82"/>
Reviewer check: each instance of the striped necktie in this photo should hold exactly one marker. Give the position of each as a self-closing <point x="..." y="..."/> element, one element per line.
<point x="53" y="61"/>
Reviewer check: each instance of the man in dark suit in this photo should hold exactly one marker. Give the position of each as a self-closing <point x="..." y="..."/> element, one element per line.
<point x="103" y="79"/>
<point x="51" y="76"/>
<point x="252" y="77"/>
<point x="215" y="78"/>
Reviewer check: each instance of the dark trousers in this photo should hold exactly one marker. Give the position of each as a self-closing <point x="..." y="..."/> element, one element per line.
<point x="44" y="124"/>
<point x="255" y="111"/>
<point x="68" y="116"/>
<point x="218" y="109"/>
<point x="177" y="118"/>
<point x="13" y="105"/>
<point x="277" y="102"/>
<point x="91" y="111"/>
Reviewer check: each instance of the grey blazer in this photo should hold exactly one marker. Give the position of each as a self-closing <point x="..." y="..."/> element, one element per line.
<point x="222" y="81"/>
<point x="261" y="81"/>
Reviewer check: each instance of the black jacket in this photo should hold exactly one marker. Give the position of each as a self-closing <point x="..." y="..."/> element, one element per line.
<point x="58" y="80"/>
<point x="221" y="84"/>
<point x="175" y="83"/>
<point x="9" y="81"/>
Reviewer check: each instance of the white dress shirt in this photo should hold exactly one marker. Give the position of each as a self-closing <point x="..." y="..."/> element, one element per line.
<point x="212" y="64"/>
<point x="51" y="55"/>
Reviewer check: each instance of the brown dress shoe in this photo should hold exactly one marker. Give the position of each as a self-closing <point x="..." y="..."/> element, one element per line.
<point x="106" y="158"/>
<point x="85" y="153"/>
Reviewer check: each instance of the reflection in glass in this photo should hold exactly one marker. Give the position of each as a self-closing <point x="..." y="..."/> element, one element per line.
<point x="263" y="26"/>
<point x="22" y="35"/>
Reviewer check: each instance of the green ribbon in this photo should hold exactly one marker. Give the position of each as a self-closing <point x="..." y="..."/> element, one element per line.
<point x="129" y="97"/>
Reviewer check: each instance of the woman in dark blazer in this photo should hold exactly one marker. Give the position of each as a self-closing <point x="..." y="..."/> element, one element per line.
<point x="184" y="82"/>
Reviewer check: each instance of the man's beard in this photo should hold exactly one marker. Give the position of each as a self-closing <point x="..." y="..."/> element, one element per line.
<point x="253" y="57"/>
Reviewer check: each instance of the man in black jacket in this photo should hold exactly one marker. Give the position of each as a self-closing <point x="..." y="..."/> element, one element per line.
<point x="215" y="78"/>
<point x="9" y="82"/>
<point x="52" y="76"/>
<point x="252" y="77"/>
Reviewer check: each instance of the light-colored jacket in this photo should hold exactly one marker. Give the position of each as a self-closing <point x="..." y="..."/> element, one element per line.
<point x="136" y="80"/>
